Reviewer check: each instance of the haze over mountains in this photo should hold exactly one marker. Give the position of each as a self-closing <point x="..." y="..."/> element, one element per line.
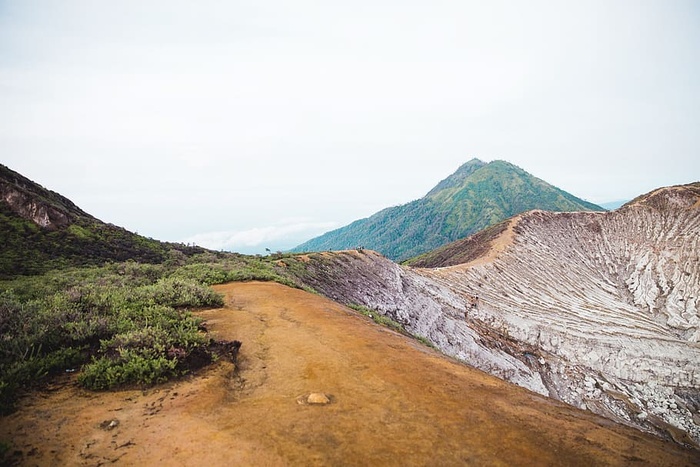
<point x="476" y="196"/>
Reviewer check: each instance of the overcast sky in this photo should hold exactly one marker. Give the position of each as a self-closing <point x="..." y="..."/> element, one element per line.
<point x="242" y="125"/>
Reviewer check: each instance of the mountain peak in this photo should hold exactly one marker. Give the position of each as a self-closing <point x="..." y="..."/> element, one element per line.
<point x="476" y="196"/>
<point x="458" y="177"/>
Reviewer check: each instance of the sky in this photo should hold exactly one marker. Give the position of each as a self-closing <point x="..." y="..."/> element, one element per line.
<point x="245" y="125"/>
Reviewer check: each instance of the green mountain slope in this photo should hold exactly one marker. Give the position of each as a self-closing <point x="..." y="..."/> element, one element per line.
<point x="41" y="230"/>
<point x="475" y="197"/>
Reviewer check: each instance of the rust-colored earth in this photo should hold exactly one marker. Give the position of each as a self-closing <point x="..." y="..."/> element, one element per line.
<point x="393" y="401"/>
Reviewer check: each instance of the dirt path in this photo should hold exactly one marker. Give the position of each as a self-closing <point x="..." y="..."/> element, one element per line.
<point x="393" y="402"/>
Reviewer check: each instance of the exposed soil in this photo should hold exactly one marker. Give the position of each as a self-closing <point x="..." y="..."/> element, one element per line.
<point x="479" y="248"/>
<point x="389" y="400"/>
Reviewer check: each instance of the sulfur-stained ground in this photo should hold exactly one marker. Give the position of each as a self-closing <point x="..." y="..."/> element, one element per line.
<point x="393" y="401"/>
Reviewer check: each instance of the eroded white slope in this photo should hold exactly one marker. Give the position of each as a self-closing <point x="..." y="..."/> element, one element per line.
<point x="422" y="305"/>
<point x="609" y="300"/>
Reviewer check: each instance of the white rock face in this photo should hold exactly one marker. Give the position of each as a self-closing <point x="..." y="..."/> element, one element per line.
<point x="599" y="310"/>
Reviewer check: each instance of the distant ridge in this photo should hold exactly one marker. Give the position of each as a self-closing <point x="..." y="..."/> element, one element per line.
<point x="41" y="230"/>
<point x="478" y="195"/>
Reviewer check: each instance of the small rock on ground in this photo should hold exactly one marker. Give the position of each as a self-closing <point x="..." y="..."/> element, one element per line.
<point x="318" y="398"/>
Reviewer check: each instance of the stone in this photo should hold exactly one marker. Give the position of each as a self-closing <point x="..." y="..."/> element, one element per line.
<point x="318" y="398"/>
<point x="109" y="424"/>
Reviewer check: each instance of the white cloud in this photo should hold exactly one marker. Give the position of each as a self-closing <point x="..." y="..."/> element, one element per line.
<point x="276" y="237"/>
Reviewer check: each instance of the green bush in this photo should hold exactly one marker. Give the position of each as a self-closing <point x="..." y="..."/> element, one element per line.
<point x="178" y="292"/>
<point x="129" y="316"/>
<point x="208" y="274"/>
<point x="104" y="373"/>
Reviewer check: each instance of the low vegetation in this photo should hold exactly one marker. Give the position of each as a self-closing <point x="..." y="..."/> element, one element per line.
<point x="384" y="320"/>
<point x="122" y="323"/>
<point x="30" y="249"/>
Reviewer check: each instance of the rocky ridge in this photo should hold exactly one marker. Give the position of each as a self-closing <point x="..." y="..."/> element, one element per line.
<point x="45" y="208"/>
<point x="599" y="310"/>
<point x="42" y="230"/>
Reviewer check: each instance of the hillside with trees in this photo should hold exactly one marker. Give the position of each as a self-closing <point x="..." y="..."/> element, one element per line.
<point x="478" y="195"/>
<point x="41" y="230"/>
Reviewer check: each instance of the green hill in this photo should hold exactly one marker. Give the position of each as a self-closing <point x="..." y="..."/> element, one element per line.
<point x="41" y="230"/>
<point x="473" y="198"/>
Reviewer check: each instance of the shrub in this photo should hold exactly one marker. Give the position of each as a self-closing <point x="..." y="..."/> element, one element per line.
<point x="179" y="293"/>
<point x="208" y="274"/>
<point x="133" y="321"/>
<point x="104" y="373"/>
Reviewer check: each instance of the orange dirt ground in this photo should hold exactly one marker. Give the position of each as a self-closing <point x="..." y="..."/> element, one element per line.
<point x="393" y="402"/>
